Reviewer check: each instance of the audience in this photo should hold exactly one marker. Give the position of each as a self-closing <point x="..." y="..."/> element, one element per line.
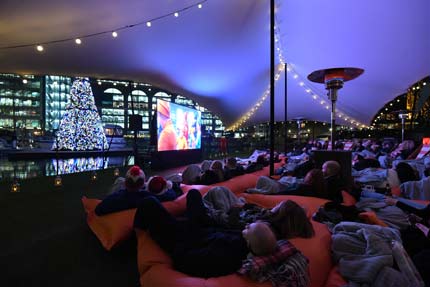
<point x="191" y="174"/>
<point x="232" y="169"/>
<point x="204" y="246"/>
<point x="130" y="192"/>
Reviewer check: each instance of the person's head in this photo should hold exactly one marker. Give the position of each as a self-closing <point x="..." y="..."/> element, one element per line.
<point x="191" y="174"/>
<point x="231" y="162"/>
<point x="261" y="159"/>
<point x="331" y="168"/>
<point x="134" y="179"/>
<point x="408" y="144"/>
<point x="405" y="172"/>
<point x="260" y="238"/>
<point x="289" y="220"/>
<point x="158" y="185"/>
<point x="206" y="164"/>
<point x="216" y="165"/>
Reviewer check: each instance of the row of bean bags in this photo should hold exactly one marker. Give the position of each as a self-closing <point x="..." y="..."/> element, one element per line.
<point x="155" y="266"/>
<point x="114" y="228"/>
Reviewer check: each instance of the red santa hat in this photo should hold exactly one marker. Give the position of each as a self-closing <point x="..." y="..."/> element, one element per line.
<point x="134" y="178"/>
<point x="158" y="185"/>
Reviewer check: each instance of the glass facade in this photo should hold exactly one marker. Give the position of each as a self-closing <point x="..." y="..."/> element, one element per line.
<point x="113" y="107"/>
<point x="138" y="104"/>
<point x="20" y="102"/>
<point x="38" y="103"/>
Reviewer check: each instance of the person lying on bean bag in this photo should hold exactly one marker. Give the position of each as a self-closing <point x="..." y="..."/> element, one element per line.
<point x="198" y="248"/>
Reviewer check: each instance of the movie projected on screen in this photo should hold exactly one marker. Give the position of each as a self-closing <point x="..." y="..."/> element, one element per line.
<point x="178" y="127"/>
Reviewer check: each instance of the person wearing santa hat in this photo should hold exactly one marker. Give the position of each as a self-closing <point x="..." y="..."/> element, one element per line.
<point x="129" y="193"/>
<point x="161" y="188"/>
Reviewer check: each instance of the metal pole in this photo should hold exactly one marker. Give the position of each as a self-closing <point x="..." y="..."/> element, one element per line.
<point x="285" y="108"/>
<point x="272" y="85"/>
<point x="403" y="129"/>
<point x="333" y="124"/>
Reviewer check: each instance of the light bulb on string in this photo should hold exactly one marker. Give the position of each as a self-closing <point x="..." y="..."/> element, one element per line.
<point x="58" y="181"/>
<point x="39" y="48"/>
<point x="94" y="176"/>
<point x="16" y="187"/>
<point x="114" y="34"/>
<point x="78" y="41"/>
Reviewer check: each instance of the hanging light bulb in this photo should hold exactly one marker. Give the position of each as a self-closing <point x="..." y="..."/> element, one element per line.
<point x="176" y="14"/>
<point x="78" y="41"/>
<point x="94" y="176"/>
<point x="39" y="48"/>
<point x="200" y="6"/>
<point x="148" y="24"/>
<point x="58" y="181"/>
<point x="15" y="186"/>
<point x="114" y="34"/>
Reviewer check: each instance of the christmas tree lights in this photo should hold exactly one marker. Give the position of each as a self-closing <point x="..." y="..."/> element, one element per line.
<point x="80" y="128"/>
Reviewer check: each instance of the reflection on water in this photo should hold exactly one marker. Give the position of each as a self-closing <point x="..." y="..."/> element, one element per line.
<point x="24" y="169"/>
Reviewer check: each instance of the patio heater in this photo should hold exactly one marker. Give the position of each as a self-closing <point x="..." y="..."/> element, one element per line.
<point x="403" y="115"/>
<point x="333" y="79"/>
<point x="299" y="121"/>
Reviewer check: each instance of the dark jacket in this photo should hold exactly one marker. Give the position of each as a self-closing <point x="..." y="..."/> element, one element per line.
<point x="195" y="248"/>
<point x="169" y="195"/>
<point x="334" y="186"/>
<point x="123" y="200"/>
<point x="209" y="252"/>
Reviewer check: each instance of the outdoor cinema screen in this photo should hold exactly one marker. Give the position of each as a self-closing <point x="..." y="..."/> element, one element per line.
<point x="178" y="127"/>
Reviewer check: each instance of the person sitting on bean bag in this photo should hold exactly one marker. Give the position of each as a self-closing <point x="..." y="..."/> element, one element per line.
<point x="161" y="188"/>
<point x="130" y="191"/>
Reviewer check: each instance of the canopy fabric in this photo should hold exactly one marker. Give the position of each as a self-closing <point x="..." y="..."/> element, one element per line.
<point x="219" y="55"/>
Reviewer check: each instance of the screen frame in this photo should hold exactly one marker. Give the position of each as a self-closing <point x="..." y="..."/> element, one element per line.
<point x="198" y="118"/>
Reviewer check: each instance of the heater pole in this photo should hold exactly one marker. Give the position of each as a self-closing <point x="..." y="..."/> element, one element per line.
<point x="272" y="85"/>
<point x="285" y="109"/>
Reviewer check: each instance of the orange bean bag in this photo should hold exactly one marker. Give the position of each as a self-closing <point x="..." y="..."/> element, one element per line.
<point x="111" y="229"/>
<point x="311" y="204"/>
<point x="239" y="184"/>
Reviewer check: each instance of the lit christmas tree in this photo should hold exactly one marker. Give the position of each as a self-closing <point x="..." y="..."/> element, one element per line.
<point x="81" y="127"/>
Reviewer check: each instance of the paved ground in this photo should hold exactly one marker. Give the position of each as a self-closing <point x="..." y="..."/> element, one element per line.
<point x="45" y="240"/>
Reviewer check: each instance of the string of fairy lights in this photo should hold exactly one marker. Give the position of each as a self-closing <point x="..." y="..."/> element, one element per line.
<point x="300" y="81"/>
<point x="78" y="40"/>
